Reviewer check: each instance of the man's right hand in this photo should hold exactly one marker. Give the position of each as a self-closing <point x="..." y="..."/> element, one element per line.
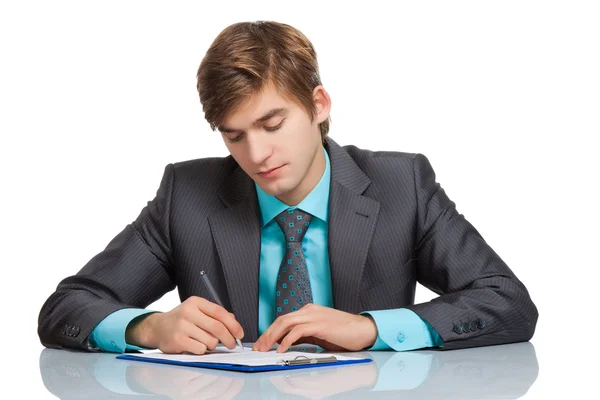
<point x="194" y="326"/>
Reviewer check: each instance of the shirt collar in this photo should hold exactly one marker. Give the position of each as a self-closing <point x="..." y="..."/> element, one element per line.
<point x="316" y="203"/>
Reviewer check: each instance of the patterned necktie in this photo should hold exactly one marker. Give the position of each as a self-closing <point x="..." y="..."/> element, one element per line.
<point x="293" y="284"/>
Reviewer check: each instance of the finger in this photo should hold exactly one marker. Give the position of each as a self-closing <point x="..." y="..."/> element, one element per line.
<point x="194" y="316"/>
<point x="193" y="346"/>
<point x="222" y="315"/>
<point x="218" y="330"/>
<point x="266" y="341"/>
<point x="295" y="334"/>
<point x="318" y="341"/>
<point x="205" y="319"/>
<point x="202" y="336"/>
<point x="324" y="344"/>
<point x="279" y="328"/>
<point x="304" y="340"/>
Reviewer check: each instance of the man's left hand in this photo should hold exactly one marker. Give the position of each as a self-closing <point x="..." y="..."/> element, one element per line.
<point x="326" y="327"/>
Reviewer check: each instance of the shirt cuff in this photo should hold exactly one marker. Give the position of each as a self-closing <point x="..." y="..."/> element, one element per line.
<point x="402" y="329"/>
<point x="109" y="334"/>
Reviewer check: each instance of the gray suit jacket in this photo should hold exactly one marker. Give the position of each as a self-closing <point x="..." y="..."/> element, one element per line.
<point x="390" y="225"/>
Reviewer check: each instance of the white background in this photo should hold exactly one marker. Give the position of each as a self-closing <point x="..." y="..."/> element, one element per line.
<point x="502" y="97"/>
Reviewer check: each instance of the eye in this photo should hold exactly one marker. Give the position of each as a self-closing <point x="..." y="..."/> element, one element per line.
<point x="274" y="128"/>
<point x="234" y="137"/>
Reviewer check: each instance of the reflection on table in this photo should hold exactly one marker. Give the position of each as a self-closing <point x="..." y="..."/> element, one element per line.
<point x="506" y="371"/>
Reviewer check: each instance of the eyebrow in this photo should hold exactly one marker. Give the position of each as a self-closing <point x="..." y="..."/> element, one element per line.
<point x="270" y="114"/>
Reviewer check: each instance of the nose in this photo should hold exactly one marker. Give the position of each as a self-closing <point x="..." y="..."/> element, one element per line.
<point x="259" y="148"/>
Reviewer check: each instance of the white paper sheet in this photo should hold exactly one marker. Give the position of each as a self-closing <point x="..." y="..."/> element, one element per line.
<point x="246" y="357"/>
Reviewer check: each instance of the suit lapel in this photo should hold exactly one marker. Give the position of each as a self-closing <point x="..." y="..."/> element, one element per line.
<point x="352" y="220"/>
<point x="236" y="232"/>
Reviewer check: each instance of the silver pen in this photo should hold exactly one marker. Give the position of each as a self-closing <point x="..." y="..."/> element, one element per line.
<point x="216" y="299"/>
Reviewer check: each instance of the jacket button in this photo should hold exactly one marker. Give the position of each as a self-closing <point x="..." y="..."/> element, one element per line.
<point x="480" y="323"/>
<point x="401" y="337"/>
<point x="457" y="329"/>
<point x="466" y="327"/>
<point x="473" y="325"/>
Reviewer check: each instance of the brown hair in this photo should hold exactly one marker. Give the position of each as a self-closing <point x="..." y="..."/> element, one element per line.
<point x="247" y="56"/>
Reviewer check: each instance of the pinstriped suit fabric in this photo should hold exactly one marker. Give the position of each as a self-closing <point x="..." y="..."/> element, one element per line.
<point x="390" y="225"/>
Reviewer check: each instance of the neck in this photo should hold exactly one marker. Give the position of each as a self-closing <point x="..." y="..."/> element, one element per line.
<point x="310" y="181"/>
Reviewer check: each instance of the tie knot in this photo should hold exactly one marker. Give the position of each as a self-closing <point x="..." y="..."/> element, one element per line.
<point x="294" y="224"/>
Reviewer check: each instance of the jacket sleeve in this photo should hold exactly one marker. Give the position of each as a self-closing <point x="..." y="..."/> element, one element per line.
<point x="481" y="300"/>
<point x="134" y="270"/>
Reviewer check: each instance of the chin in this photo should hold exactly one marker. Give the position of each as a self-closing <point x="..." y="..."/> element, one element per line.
<point x="277" y="189"/>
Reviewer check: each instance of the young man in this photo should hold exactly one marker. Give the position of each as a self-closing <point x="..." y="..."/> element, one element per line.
<point x="303" y="240"/>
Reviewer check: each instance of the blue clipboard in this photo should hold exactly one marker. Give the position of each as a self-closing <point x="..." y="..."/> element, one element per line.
<point x="298" y="363"/>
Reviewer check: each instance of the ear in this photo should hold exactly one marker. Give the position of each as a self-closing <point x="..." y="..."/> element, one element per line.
<point x="322" y="103"/>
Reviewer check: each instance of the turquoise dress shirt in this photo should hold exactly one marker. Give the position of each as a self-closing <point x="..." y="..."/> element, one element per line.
<point x="398" y="329"/>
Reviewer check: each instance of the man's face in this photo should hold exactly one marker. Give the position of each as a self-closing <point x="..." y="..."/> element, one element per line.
<point x="276" y="144"/>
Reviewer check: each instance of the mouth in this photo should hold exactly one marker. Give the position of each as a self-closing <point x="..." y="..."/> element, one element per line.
<point x="270" y="172"/>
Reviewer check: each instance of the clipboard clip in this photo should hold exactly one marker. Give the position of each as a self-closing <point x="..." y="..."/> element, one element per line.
<point x="303" y="360"/>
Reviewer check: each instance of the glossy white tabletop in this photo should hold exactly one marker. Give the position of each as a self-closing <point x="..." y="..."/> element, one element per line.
<point x="494" y="372"/>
